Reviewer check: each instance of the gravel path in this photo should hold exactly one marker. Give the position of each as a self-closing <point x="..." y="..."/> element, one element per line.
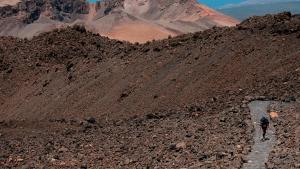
<point x="261" y="149"/>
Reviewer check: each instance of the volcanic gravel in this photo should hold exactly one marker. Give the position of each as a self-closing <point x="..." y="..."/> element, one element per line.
<point x="72" y="99"/>
<point x="160" y="140"/>
<point x="286" y="151"/>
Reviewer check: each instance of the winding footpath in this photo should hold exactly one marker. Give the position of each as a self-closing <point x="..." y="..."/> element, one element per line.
<point x="261" y="149"/>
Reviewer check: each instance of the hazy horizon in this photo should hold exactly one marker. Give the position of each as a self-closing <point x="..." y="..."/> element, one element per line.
<point x="220" y="4"/>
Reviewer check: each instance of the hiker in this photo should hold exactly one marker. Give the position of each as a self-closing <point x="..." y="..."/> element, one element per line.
<point x="264" y="123"/>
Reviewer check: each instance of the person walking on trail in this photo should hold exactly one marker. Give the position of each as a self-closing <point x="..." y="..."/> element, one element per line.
<point x="264" y="123"/>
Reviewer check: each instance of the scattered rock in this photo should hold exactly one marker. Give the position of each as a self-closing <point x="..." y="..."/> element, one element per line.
<point x="181" y="145"/>
<point x="290" y="99"/>
<point x="203" y="157"/>
<point x="84" y="166"/>
<point x="46" y="83"/>
<point x="91" y="120"/>
<point x="38" y="64"/>
<point x="9" y="71"/>
<point x="172" y="147"/>
<point x="56" y="157"/>
<point x="189" y="135"/>
<point x="249" y="98"/>
<point x="69" y="66"/>
<point x="127" y="161"/>
<point x="239" y="146"/>
<point x="62" y="150"/>
<point x="223" y="119"/>
<point x="19" y="159"/>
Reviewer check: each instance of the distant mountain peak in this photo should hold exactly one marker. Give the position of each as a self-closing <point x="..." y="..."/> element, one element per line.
<point x="131" y="20"/>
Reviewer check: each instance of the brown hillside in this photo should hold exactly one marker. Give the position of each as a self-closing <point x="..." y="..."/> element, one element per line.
<point x="174" y="103"/>
<point x="73" y="72"/>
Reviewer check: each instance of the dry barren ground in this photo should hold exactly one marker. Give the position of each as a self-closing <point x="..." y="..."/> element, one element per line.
<point x="174" y="103"/>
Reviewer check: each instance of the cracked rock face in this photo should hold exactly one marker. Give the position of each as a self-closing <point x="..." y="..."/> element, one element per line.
<point x="31" y="10"/>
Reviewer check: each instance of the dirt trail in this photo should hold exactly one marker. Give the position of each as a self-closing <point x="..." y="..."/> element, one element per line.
<point x="261" y="149"/>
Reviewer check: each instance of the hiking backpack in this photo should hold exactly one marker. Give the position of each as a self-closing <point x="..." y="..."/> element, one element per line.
<point x="264" y="120"/>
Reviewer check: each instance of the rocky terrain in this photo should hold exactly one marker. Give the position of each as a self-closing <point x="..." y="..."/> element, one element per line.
<point x="134" y="21"/>
<point x="70" y="98"/>
<point x="166" y="139"/>
<point x="286" y="152"/>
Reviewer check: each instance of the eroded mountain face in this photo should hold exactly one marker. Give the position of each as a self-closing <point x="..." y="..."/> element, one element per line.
<point x="32" y="10"/>
<point x="130" y="20"/>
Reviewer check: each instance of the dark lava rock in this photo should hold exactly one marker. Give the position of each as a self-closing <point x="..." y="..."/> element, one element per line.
<point x="91" y="120"/>
<point x="84" y="166"/>
<point x="290" y="99"/>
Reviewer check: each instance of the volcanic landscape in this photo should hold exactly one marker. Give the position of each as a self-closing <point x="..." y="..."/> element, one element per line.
<point x="129" y="20"/>
<point x="70" y="98"/>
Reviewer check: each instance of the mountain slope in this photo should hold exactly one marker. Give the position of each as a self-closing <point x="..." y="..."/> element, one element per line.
<point x="135" y="21"/>
<point x="70" y="98"/>
<point x="80" y="73"/>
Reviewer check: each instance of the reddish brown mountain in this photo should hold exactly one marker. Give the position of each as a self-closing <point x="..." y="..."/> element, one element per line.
<point x="131" y="20"/>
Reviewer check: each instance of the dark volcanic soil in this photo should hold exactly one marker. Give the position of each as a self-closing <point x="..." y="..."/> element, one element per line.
<point x="143" y="97"/>
<point x="286" y="152"/>
<point x="161" y="140"/>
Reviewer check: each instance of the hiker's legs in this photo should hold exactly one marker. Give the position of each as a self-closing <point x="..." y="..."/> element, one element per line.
<point x="264" y="129"/>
